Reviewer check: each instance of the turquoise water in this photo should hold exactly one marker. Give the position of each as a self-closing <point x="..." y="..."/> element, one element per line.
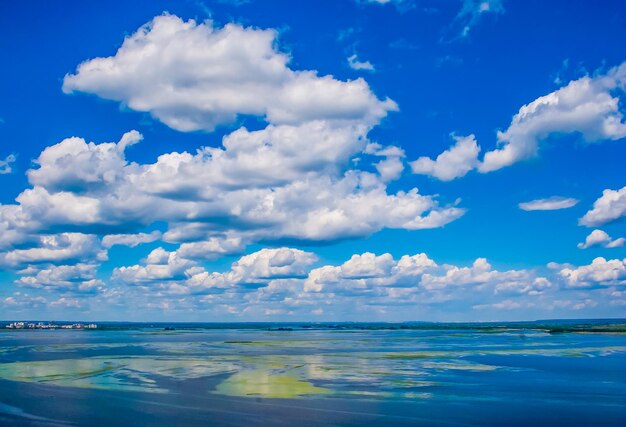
<point x="327" y="376"/>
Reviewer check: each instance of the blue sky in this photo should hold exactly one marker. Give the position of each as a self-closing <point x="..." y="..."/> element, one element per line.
<point x="340" y="160"/>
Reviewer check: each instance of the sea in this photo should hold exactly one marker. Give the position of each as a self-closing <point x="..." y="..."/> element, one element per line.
<point x="543" y="373"/>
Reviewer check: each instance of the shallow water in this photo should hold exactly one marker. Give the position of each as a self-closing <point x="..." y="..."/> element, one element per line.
<point x="254" y="376"/>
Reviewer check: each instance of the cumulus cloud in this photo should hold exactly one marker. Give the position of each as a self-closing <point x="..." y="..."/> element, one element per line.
<point x="23" y="301"/>
<point x="588" y="107"/>
<point x="607" y="208"/>
<point x="199" y="197"/>
<point x="453" y="163"/>
<point x="585" y="106"/>
<point x="272" y="263"/>
<point x="257" y="268"/>
<point x="62" y="278"/>
<point x="368" y="271"/>
<point x="75" y="165"/>
<point x="392" y="166"/>
<point x="161" y="265"/>
<point x="355" y="64"/>
<point x="56" y="248"/>
<point x="5" y="165"/>
<point x="600" y="238"/>
<point x="131" y="240"/>
<point x="194" y="76"/>
<point x="550" y="204"/>
<point x="481" y="273"/>
<point x="294" y="179"/>
<point x="252" y="158"/>
<point x="599" y="272"/>
<point x="212" y="248"/>
<point x="287" y="279"/>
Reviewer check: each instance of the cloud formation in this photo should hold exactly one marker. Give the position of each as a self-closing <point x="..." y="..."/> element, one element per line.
<point x="607" y="208"/>
<point x="5" y="165"/>
<point x="78" y="278"/>
<point x="310" y="174"/>
<point x="549" y="204"/>
<point x="471" y="13"/>
<point x="599" y="272"/>
<point x="588" y="107"/>
<point x="453" y="163"/>
<point x="355" y="64"/>
<point x="585" y="106"/>
<point x="601" y="238"/>
<point x="194" y="76"/>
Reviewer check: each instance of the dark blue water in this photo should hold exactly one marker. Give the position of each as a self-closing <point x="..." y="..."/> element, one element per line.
<point x="321" y="375"/>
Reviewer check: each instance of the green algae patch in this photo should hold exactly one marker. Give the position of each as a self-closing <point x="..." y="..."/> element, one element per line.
<point x="80" y="373"/>
<point x="125" y="373"/>
<point x="261" y="383"/>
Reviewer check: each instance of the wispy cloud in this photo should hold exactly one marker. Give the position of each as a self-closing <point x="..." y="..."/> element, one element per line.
<point x="5" y="165"/>
<point x="471" y="13"/>
<point x="355" y="64"/>
<point x="549" y="204"/>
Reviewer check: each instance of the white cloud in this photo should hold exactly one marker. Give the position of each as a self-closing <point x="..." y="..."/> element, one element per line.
<point x="392" y="166"/>
<point x="200" y="196"/>
<point x="453" y="163"/>
<point x="502" y="305"/>
<point x="588" y="106"/>
<point x="378" y="281"/>
<point x="585" y="106"/>
<point x="355" y="64"/>
<point x="5" y="165"/>
<point x="21" y="300"/>
<point x="261" y="267"/>
<point x="74" y="165"/>
<point x="367" y="265"/>
<point x="63" y="278"/>
<point x="481" y="273"/>
<point x="366" y="270"/>
<point x="161" y="265"/>
<point x="295" y="179"/>
<point x="548" y="204"/>
<point x="599" y="272"/>
<point x="177" y="275"/>
<point x="66" y="303"/>
<point x="601" y="238"/>
<point x="251" y="159"/>
<point x="195" y="76"/>
<point x="56" y="248"/>
<point x="272" y="263"/>
<point x="212" y="248"/>
<point x="131" y="240"/>
<point x="607" y="208"/>
<point x="524" y="283"/>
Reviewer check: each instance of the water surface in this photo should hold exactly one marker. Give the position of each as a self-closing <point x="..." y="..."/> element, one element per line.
<point x="249" y="375"/>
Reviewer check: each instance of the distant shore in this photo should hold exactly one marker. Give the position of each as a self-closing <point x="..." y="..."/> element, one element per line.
<point x="549" y="326"/>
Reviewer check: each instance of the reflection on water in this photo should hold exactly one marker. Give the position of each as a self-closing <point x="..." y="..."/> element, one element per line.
<point x="399" y="366"/>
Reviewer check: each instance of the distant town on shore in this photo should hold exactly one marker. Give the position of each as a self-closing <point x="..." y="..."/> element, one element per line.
<point x="42" y="325"/>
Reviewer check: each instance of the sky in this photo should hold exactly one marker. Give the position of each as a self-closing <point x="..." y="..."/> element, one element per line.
<point x="345" y="160"/>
